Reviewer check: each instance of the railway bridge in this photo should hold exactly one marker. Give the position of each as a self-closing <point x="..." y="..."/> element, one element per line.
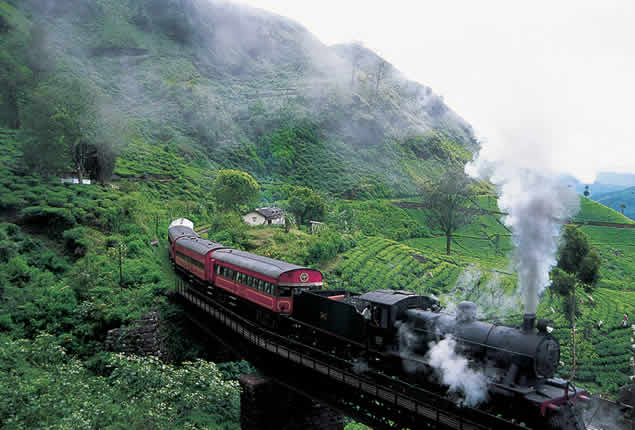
<point x="378" y="400"/>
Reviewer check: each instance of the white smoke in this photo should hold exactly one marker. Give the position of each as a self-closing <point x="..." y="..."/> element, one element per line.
<point x="537" y="205"/>
<point x="454" y="371"/>
<point x="491" y="298"/>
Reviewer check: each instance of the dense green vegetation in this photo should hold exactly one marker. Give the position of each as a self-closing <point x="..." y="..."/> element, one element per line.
<point x="43" y="386"/>
<point x="376" y="218"/>
<point x="89" y="81"/>
<point x="129" y="95"/>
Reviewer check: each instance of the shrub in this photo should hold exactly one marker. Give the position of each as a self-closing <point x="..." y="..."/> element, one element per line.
<point x="77" y="241"/>
<point x="59" y="219"/>
<point x="326" y="246"/>
<point x="17" y="270"/>
<point x="229" y="230"/>
<point x="8" y="250"/>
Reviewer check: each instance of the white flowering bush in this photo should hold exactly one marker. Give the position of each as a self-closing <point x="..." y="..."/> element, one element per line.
<point x="40" y="386"/>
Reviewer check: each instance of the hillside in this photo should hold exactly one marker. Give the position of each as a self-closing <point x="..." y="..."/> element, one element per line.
<point x="485" y="276"/>
<point x="154" y="97"/>
<point x="616" y="199"/>
<point x="222" y="85"/>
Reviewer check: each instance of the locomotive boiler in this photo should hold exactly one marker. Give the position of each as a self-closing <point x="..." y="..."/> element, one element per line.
<point x="522" y="356"/>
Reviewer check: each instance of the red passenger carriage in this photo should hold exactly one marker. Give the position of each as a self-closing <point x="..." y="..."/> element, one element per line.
<point x="261" y="281"/>
<point x="269" y="283"/>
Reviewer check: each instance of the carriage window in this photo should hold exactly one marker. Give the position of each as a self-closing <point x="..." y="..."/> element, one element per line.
<point x="267" y="288"/>
<point x="284" y="291"/>
<point x="250" y="281"/>
<point x="218" y="270"/>
<point x="260" y="284"/>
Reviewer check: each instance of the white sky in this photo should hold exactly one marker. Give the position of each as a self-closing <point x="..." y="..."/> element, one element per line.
<point x="544" y="83"/>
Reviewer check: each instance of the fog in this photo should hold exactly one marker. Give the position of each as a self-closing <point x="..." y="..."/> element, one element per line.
<point x="557" y="75"/>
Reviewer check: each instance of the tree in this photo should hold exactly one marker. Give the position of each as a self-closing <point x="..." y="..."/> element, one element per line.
<point x="448" y="203"/>
<point x="357" y="52"/>
<point x="61" y="123"/>
<point x="380" y="74"/>
<point x="587" y="193"/>
<point x="578" y="266"/>
<point x="622" y="207"/>
<point x="305" y="204"/>
<point x="233" y="188"/>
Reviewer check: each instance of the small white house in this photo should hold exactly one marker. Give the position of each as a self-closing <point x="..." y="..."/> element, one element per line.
<point x="262" y="216"/>
<point x="74" y="181"/>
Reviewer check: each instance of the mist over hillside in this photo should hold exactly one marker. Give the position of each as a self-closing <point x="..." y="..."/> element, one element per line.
<point x="622" y="201"/>
<point x="224" y="85"/>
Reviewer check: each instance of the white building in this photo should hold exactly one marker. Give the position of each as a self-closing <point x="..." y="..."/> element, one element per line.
<point x="262" y="216"/>
<point x="74" y="181"/>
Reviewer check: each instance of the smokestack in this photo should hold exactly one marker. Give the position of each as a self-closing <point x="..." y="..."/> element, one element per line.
<point x="529" y="322"/>
<point x="465" y="312"/>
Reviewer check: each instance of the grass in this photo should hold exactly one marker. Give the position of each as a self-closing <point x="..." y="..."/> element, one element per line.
<point x="602" y="354"/>
<point x="594" y="211"/>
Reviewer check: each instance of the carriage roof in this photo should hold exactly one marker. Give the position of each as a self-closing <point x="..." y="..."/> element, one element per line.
<point x="199" y="245"/>
<point x="180" y="231"/>
<point x="256" y="263"/>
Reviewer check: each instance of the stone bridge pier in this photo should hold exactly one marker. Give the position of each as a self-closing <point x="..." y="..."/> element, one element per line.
<point x="265" y="405"/>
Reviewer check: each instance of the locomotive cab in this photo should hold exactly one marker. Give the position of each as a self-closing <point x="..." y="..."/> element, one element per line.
<point x="388" y="309"/>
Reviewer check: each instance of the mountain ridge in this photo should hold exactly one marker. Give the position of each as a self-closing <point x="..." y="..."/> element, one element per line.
<point x="218" y="83"/>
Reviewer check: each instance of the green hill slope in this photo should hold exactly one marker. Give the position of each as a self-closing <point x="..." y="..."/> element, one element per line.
<point x="603" y="354"/>
<point x="615" y="199"/>
<point x="223" y="85"/>
<point x="596" y="211"/>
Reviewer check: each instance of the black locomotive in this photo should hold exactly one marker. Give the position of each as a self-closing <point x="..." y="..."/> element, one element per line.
<point x="394" y="330"/>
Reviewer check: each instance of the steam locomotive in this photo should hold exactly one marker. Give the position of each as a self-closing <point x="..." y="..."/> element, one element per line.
<point x="391" y="331"/>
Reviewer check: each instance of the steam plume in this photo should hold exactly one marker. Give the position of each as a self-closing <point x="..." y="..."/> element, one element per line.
<point x="453" y="370"/>
<point x="537" y="205"/>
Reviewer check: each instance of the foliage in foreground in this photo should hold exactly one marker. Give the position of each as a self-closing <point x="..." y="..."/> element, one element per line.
<point x="41" y="386"/>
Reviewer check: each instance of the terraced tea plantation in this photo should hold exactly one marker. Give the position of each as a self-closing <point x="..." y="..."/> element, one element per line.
<point x="378" y="263"/>
<point x="603" y="351"/>
<point x="480" y="270"/>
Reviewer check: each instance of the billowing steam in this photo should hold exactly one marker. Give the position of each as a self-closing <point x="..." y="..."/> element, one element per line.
<point x="453" y="370"/>
<point x="537" y="205"/>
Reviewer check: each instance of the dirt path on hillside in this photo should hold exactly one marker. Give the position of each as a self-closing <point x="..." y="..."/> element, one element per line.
<point x="412" y="205"/>
<point x="603" y="224"/>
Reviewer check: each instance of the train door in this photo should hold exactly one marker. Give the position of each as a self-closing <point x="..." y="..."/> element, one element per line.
<point x="211" y="275"/>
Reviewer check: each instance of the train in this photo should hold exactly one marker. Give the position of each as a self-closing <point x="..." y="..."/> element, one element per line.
<point x="388" y="331"/>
